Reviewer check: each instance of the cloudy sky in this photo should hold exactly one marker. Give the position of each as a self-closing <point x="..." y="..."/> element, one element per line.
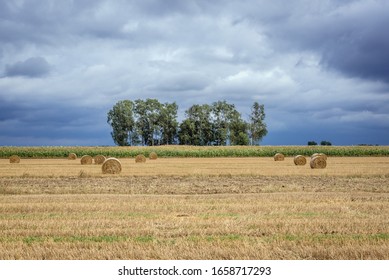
<point x="320" y="67"/>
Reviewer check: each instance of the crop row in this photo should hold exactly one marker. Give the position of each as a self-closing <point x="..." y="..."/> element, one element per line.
<point x="193" y="151"/>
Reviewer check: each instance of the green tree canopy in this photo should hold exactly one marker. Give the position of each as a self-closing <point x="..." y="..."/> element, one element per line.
<point x="149" y="122"/>
<point x="196" y="129"/>
<point x="121" y="118"/>
<point x="257" y="125"/>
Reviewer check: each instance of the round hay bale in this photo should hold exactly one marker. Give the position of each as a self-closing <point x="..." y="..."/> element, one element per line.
<point x="323" y="155"/>
<point x="318" y="162"/>
<point x="14" y="159"/>
<point x="86" y="160"/>
<point x="319" y="154"/>
<point x="111" y="166"/>
<point x="72" y="156"/>
<point x="99" y="159"/>
<point x="140" y="158"/>
<point x="279" y="157"/>
<point x="153" y="155"/>
<point x="300" y="160"/>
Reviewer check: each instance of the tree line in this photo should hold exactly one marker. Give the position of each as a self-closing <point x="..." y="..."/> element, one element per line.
<point x="150" y="122"/>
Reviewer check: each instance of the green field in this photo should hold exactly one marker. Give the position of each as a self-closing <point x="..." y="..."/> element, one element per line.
<point x="194" y="151"/>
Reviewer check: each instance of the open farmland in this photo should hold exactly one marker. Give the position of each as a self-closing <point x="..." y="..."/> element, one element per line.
<point x="195" y="208"/>
<point x="263" y="166"/>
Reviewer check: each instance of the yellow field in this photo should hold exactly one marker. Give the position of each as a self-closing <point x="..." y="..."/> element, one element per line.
<point x="336" y="166"/>
<point x="195" y="208"/>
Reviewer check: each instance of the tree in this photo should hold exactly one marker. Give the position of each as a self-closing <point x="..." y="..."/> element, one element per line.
<point x="196" y="129"/>
<point x="217" y="124"/>
<point x="325" y="143"/>
<point x="257" y="125"/>
<point x="168" y="123"/>
<point x="145" y="122"/>
<point x="148" y="116"/>
<point x="224" y="116"/>
<point x="148" y="122"/>
<point x="222" y="113"/>
<point x="186" y="132"/>
<point x="121" y="118"/>
<point x="238" y="135"/>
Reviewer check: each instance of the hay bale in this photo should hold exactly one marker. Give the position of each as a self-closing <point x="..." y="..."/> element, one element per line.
<point x="300" y="160"/>
<point x="111" y="166"/>
<point x="14" y="159"/>
<point x="86" y="160"/>
<point x="323" y="155"/>
<point x="318" y="162"/>
<point x="153" y="155"/>
<point x="72" y="156"/>
<point x="140" y="158"/>
<point x="99" y="159"/>
<point x="319" y="154"/>
<point x="279" y="157"/>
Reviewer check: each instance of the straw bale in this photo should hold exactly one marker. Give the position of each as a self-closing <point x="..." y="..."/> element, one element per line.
<point x="300" y="160"/>
<point x="86" y="160"/>
<point x="319" y="154"/>
<point x="140" y="158"/>
<point x="279" y="157"/>
<point x="153" y="155"/>
<point x="72" y="156"/>
<point x="99" y="159"/>
<point x="14" y="159"/>
<point x="111" y="166"/>
<point x="318" y="162"/>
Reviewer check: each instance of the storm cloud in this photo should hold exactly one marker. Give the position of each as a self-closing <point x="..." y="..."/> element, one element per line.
<point x="319" y="67"/>
<point x="32" y="67"/>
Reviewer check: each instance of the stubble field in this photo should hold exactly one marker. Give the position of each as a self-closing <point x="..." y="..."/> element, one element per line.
<point x="195" y="208"/>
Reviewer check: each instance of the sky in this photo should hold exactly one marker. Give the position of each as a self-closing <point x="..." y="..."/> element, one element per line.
<point x="320" y="67"/>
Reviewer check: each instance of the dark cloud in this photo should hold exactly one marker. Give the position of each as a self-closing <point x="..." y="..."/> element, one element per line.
<point x="350" y="36"/>
<point x="312" y="63"/>
<point x="51" y="124"/>
<point x="361" y="57"/>
<point x="362" y="47"/>
<point x="32" y="67"/>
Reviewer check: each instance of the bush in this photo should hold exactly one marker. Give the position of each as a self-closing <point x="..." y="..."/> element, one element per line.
<point x="312" y="143"/>
<point x="325" y="143"/>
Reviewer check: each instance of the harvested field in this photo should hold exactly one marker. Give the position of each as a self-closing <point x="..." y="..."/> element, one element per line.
<point x="336" y="166"/>
<point x="195" y="208"/>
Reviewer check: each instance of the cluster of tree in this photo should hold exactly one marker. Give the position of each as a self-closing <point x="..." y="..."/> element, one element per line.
<point x="149" y="122"/>
<point x="322" y="143"/>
